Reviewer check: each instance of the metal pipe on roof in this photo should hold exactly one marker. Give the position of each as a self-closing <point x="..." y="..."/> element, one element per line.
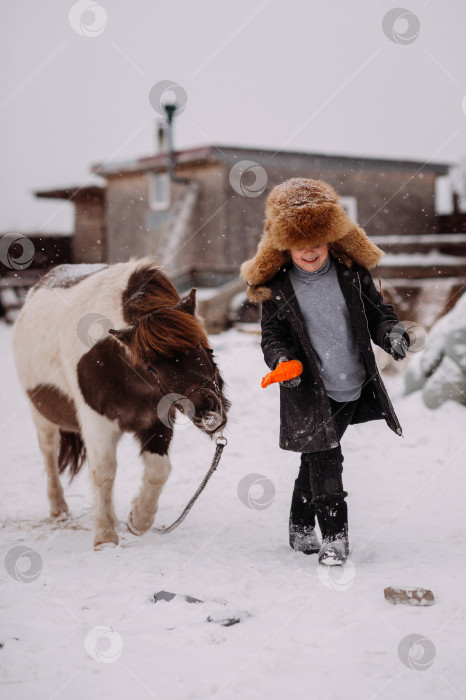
<point x="170" y="110"/>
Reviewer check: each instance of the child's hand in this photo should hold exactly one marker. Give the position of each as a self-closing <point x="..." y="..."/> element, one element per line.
<point x="397" y="345"/>
<point x="286" y="373"/>
<point x="291" y="383"/>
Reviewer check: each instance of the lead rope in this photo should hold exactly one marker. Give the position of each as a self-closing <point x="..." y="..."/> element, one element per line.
<point x="221" y="442"/>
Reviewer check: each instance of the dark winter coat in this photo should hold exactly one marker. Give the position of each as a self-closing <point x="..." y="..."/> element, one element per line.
<point x="306" y="424"/>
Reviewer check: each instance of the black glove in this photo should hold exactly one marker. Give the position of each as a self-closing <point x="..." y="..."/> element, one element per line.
<point x="397" y="344"/>
<point x="289" y="383"/>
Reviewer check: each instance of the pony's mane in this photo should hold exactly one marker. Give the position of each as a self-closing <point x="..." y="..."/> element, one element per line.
<point x="167" y="332"/>
<point x="148" y="289"/>
<point x="148" y="302"/>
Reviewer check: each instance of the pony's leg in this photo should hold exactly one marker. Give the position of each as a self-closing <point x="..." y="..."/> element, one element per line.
<point x="154" y="452"/>
<point x="48" y="435"/>
<point x="101" y="438"/>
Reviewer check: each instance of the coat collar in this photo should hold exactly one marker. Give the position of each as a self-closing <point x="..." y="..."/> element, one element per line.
<point x="258" y="293"/>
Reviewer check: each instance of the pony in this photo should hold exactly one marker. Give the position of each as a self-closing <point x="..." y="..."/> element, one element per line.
<point x="86" y="390"/>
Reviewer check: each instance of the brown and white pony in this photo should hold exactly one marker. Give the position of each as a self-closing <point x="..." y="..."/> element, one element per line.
<point x="85" y="393"/>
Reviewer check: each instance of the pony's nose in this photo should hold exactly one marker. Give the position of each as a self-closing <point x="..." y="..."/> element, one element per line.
<point x="211" y="420"/>
<point x="212" y="402"/>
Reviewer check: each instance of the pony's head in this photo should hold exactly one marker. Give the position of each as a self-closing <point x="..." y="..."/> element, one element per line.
<point x="170" y="347"/>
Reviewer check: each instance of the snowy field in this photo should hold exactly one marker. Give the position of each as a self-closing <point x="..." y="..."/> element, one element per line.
<point x="84" y="625"/>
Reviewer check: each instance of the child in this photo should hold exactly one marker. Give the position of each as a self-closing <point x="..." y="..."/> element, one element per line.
<point x="320" y="306"/>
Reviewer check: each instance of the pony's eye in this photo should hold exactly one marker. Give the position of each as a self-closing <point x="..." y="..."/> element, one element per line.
<point x="152" y="369"/>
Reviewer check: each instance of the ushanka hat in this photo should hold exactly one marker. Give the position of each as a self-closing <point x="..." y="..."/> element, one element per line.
<point x="302" y="212"/>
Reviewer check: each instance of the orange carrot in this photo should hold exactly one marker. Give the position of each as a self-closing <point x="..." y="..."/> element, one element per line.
<point x="282" y="372"/>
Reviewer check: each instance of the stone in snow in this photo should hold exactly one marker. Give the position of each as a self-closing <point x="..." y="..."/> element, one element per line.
<point x="409" y="596"/>
<point x="226" y="618"/>
<point x="167" y="596"/>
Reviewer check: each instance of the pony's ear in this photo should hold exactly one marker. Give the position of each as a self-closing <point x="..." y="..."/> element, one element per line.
<point x="124" y="335"/>
<point x="187" y="303"/>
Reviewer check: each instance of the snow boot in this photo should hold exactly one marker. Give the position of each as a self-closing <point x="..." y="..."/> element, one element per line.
<point x="333" y="522"/>
<point x="303" y="537"/>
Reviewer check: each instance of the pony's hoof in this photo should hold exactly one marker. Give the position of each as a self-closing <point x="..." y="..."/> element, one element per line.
<point x="100" y="546"/>
<point x="132" y="527"/>
<point x="60" y="514"/>
<point x="103" y="537"/>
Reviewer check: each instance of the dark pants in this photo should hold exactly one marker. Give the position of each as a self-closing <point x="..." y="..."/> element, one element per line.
<point x="320" y="473"/>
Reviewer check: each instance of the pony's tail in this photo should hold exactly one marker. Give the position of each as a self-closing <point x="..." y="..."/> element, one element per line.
<point x="72" y="453"/>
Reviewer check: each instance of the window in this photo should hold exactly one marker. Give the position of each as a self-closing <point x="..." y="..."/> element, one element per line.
<point x="350" y="205"/>
<point x="159" y="191"/>
<point x="444" y="202"/>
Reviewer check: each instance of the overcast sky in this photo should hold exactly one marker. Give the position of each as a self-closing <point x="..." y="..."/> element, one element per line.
<point x="325" y="77"/>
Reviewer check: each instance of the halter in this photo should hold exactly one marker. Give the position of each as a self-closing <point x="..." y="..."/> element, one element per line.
<point x="195" y="387"/>
<point x="213" y="380"/>
<point x="198" y="386"/>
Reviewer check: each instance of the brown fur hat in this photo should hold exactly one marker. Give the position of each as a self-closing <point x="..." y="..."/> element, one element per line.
<point x="300" y="212"/>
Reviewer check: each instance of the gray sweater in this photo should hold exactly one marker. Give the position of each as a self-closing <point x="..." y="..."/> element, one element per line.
<point x="328" y="325"/>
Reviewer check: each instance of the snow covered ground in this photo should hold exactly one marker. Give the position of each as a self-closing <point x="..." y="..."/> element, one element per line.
<point x="84" y="626"/>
